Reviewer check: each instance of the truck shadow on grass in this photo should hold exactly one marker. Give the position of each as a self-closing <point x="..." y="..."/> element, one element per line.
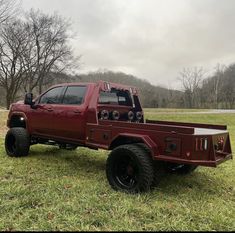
<point x="200" y="183"/>
<point x="85" y="162"/>
<point x="71" y="162"/>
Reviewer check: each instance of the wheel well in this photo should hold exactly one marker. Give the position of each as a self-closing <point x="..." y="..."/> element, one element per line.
<point x="17" y="121"/>
<point x="124" y="140"/>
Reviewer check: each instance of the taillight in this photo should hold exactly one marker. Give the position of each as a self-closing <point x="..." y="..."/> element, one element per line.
<point x="201" y="144"/>
<point x="219" y="143"/>
<point x="107" y="86"/>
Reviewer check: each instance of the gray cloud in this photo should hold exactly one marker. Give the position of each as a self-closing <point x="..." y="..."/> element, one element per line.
<point x="152" y="39"/>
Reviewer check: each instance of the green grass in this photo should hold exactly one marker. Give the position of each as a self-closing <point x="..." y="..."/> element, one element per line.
<point x="54" y="189"/>
<point x="3" y="122"/>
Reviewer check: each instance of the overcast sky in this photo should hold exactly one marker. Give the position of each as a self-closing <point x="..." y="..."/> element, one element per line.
<point x="151" y="39"/>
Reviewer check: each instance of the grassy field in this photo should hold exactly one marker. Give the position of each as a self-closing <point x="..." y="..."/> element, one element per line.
<point x="54" y="189"/>
<point x="172" y="110"/>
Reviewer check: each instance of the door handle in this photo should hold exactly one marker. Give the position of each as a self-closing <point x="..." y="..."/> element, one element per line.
<point x="77" y="111"/>
<point x="49" y="109"/>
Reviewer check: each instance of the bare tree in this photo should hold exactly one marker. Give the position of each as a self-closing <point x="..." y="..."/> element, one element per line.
<point x="12" y="44"/>
<point x="30" y="49"/>
<point x="219" y="74"/>
<point x="48" y="48"/>
<point x="8" y="9"/>
<point x="191" y="79"/>
<point x="227" y="91"/>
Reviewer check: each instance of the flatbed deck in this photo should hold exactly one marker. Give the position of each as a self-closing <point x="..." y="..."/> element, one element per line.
<point x="203" y="131"/>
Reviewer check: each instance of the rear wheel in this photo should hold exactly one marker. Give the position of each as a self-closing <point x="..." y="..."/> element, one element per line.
<point x="129" y="169"/>
<point x="158" y="166"/>
<point x="17" y="142"/>
<point x="181" y="169"/>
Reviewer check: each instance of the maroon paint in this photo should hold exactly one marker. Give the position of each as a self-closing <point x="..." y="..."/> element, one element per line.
<point x="80" y="124"/>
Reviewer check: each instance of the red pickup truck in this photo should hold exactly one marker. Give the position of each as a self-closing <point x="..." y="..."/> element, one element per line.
<point x="109" y="116"/>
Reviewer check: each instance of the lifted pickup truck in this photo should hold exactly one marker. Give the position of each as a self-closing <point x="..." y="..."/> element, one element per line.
<point x="109" y="116"/>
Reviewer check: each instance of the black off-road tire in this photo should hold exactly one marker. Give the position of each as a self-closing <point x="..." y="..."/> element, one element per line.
<point x="181" y="169"/>
<point x="17" y="142"/>
<point x="130" y="169"/>
<point x="159" y="166"/>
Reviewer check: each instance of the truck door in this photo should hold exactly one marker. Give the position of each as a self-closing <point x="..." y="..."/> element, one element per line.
<point x="42" y="117"/>
<point x="70" y="115"/>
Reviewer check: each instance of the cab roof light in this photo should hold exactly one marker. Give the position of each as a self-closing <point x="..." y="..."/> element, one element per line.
<point x="133" y="91"/>
<point x="107" y="86"/>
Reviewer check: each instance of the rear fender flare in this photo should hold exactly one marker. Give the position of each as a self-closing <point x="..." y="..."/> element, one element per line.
<point x="118" y="140"/>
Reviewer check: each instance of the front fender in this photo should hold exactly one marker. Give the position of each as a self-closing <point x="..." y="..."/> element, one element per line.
<point x="17" y="114"/>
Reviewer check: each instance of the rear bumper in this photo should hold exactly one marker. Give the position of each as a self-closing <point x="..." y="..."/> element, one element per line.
<point x="222" y="157"/>
<point x="219" y="159"/>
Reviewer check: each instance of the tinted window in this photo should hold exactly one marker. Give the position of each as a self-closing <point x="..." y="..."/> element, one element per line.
<point x="74" y="95"/>
<point x="108" y="98"/>
<point x="53" y="96"/>
<point x="115" y="97"/>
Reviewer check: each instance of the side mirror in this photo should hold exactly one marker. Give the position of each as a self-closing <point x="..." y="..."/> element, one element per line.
<point x="28" y="99"/>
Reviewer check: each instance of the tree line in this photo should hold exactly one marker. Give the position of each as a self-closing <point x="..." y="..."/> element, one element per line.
<point x="35" y="52"/>
<point x="198" y="90"/>
<point x="216" y="90"/>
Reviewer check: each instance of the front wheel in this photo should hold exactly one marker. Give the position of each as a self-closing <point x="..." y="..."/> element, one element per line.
<point x="130" y="169"/>
<point x="17" y="142"/>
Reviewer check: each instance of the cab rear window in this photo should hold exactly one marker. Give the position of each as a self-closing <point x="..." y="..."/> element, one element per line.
<point x="115" y="97"/>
